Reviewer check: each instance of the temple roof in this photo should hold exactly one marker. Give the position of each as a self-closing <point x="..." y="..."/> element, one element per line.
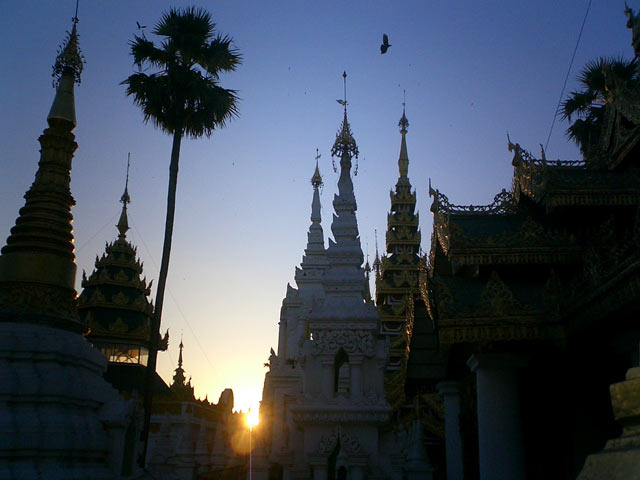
<point x="114" y="301"/>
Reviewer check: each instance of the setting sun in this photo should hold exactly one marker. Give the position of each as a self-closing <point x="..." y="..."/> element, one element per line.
<point x="252" y="418"/>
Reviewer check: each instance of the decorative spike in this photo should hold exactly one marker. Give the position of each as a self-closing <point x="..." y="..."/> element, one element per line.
<point x="123" y="223"/>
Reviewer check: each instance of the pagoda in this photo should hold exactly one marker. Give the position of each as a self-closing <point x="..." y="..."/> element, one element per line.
<point x="60" y="418"/>
<point x="340" y="416"/>
<point x="536" y="298"/>
<point x="115" y="305"/>
<point x="397" y="293"/>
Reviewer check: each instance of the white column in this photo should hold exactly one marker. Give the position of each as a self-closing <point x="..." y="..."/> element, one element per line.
<point x="450" y="390"/>
<point x="499" y="432"/>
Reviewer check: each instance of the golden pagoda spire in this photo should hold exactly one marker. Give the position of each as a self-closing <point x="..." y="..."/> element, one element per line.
<point x="123" y="223"/>
<point x="37" y="267"/>
<point x="403" y="160"/>
<point x="376" y="260"/>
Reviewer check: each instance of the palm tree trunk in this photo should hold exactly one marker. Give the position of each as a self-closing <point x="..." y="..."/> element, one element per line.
<point x="162" y="281"/>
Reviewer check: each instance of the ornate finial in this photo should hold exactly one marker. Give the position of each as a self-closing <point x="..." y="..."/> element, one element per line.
<point x="344" y="79"/>
<point x="316" y="180"/>
<point x="123" y="223"/>
<point x="125" y="196"/>
<point x="345" y="143"/>
<point x="70" y="59"/>
<point x="180" y="355"/>
<point x="404" y="123"/>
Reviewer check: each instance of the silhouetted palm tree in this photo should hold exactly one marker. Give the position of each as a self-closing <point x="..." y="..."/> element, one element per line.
<point x="182" y="98"/>
<point x="597" y="78"/>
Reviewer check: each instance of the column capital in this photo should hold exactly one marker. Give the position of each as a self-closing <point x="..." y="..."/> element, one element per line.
<point x="496" y="361"/>
<point x="448" y="387"/>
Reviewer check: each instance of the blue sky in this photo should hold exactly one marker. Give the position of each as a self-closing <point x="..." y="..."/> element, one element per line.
<point x="472" y="72"/>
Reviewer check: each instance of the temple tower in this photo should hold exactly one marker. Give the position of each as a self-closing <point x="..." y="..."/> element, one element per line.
<point x="115" y="305"/>
<point x="60" y="418"/>
<point x="342" y="408"/>
<point x="397" y="293"/>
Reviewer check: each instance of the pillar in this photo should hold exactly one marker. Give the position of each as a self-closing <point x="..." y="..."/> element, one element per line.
<point x="450" y="390"/>
<point x="499" y="432"/>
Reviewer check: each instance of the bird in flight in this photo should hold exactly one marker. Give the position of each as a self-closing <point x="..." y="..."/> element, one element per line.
<point x="385" y="44"/>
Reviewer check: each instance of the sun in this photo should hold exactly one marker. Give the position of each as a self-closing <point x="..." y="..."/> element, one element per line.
<point x="252" y="418"/>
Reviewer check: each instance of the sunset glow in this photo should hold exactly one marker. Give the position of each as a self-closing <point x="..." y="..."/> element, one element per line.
<point x="252" y="417"/>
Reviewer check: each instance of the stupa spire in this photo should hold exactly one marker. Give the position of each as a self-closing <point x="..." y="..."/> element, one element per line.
<point x="37" y="267"/>
<point x="67" y="70"/>
<point x="376" y="260"/>
<point x="123" y="223"/>
<point x="403" y="159"/>
<point x="178" y="377"/>
<point x="315" y="254"/>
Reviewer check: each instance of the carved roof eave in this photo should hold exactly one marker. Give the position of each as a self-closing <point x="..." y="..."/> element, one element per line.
<point x="613" y="293"/>
<point x="543" y="182"/>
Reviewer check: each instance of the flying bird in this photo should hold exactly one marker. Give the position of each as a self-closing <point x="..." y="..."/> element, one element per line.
<point x="385" y="44"/>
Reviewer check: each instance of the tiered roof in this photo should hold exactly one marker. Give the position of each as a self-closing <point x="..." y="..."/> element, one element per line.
<point x="397" y="276"/>
<point x="115" y="299"/>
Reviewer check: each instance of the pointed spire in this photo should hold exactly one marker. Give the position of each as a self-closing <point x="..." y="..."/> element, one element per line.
<point x="376" y="261"/>
<point x="315" y="254"/>
<point x="178" y="377"/>
<point x="345" y="144"/>
<point x="367" y="280"/>
<point x="37" y="267"/>
<point x="403" y="160"/>
<point x="67" y="70"/>
<point x="316" y="180"/>
<point x="123" y="223"/>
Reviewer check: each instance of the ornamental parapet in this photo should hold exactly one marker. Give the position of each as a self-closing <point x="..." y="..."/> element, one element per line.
<point x="503" y="203"/>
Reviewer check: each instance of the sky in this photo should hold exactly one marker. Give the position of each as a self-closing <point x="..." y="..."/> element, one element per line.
<point x="472" y="72"/>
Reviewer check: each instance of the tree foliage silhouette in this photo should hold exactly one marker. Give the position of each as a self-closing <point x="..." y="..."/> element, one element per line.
<point x="599" y="80"/>
<point x="183" y="98"/>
